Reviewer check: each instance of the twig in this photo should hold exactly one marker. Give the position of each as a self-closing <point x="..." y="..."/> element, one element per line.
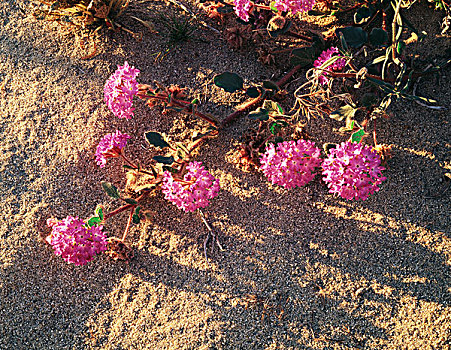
<point x="438" y="108"/>
<point x="211" y="234"/>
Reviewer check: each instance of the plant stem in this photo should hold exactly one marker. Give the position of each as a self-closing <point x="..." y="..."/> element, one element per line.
<point x="124" y="207"/>
<point x="129" y="222"/>
<point x="128" y="161"/>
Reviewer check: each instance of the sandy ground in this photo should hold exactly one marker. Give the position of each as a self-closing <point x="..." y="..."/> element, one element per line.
<point x="301" y="269"/>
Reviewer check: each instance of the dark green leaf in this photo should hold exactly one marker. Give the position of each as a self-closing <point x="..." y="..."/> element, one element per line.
<point x="362" y="15"/>
<point x="343" y="43"/>
<point x="276" y="127"/>
<point x="130" y="201"/>
<point x="378" y="37"/>
<point x="127" y="167"/>
<point x="230" y="82"/>
<point x="225" y="9"/>
<point x="400" y="47"/>
<point x="354" y="36"/>
<point x="195" y="101"/>
<point x="164" y="160"/>
<point x="252" y="92"/>
<point x="268" y="84"/>
<point x="136" y="219"/>
<point x="94" y="220"/>
<point x="357" y="136"/>
<point x="272" y="107"/>
<point x="156" y="139"/>
<point x="110" y="189"/>
<point x="99" y="212"/>
<point x="368" y="99"/>
<point x="170" y="169"/>
<point x="304" y="56"/>
<point x="260" y="114"/>
<point x="343" y="112"/>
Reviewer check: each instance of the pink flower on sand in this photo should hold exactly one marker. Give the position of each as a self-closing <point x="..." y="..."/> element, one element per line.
<point x="294" y="6"/>
<point x="110" y="147"/>
<point x="120" y="89"/>
<point x="76" y="243"/>
<point x="194" y="191"/>
<point x="335" y="66"/>
<point x="353" y="170"/>
<point x="242" y="8"/>
<point x="291" y="164"/>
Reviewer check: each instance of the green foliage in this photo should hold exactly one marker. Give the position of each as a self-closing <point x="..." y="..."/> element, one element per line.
<point x="260" y="114"/>
<point x="110" y="190"/>
<point x="156" y="139"/>
<point x="164" y="160"/>
<point x="355" y="37"/>
<point x="228" y="81"/>
<point x="378" y="37"/>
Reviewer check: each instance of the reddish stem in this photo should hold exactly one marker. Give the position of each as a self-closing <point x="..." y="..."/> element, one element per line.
<point x="124" y="207"/>
<point x="129" y="222"/>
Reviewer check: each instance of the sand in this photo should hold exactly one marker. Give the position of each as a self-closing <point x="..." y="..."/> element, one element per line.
<point x="301" y="269"/>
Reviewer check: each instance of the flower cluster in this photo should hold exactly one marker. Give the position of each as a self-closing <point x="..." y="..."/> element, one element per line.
<point x="110" y="147"/>
<point x="335" y="66"/>
<point x="242" y="8"/>
<point x="294" y="6"/>
<point x="75" y="242"/>
<point x="353" y="171"/>
<point x="120" y="89"/>
<point x="194" y="191"/>
<point x="291" y="164"/>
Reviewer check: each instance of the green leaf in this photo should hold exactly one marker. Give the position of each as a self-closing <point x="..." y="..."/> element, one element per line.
<point x="230" y="82"/>
<point x="156" y="139"/>
<point x="125" y="166"/>
<point x="110" y="189"/>
<point x="378" y="37"/>
<point x="94" y="220"/>
<point x="343" y="112"/>
<point x="357" y="136"/>
<point x="136" y="219"/>
<point x="170" y="169"/>
<point x="225" y="9"/>
<point x="305" y="56"/>
<point x="268" y="84"/>
<point x="400" y="47"/>
<point x="99" y="212"/>
<point x="252" y="92"/>
<point x="273" y="7"/>
<point x="362" y="15"/>
<point x="354" y="36"/>
<point x="272" y="107"/>
<point x="164" y="160"/>
<point x="130" y="201"/>
<point x="260" y="114"/>
<point x="343" y="43"/>
<point x="276" y="127"/>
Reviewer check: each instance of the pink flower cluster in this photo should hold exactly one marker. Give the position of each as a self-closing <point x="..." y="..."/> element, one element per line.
<point x="291" y="164"/>
<point x="110" y="147"/>
<point x="353" y="171"/>
<point x="242" y="8"/>
<point x="294" y="6"/>
<point x="194" y="191"/>
<point x="120" y="89"/>
<point x="335" y="66"/>
<point x="76" y="243"/>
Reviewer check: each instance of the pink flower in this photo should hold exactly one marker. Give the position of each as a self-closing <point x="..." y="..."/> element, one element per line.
<point x="353" y="170"/>
<point x="194" y="191"/>
<point x="242" y="8"/>
<point x="110" y="147"/>
<point x="76" y="243"/>
<point x="291" y="164"/>
<point x="120" y="89"/>
<point x="335" y="66"/>
<point x="294" y="6"/>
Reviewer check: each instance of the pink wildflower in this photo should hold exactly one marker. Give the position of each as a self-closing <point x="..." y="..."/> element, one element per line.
<point x="76" y="243"/>
<point x="120" y="89"/>
<point x="194" y="191"/>
<point x="110" y="147"/>
<point x="353" y="171"/>
<point x="294" y="6"/>
<point x="291" y="164"/>
<point x="242" y="8"/>
<point x="335" y="66"/>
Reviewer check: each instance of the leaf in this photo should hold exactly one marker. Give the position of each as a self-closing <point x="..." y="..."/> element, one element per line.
<point x="276" y="127"/>
<point x="156" y="139"/>
<point x="354" y="36"/>
<point x="136" y="219"/>
<point x="110" y="189"/>
<point x="252" y="92"/>
<point x="164" y="160"/>
<point x="225" y="9"/>
<point x="230" y="82"/>
<point x="99" y="212"/>
<point x="94" y="220"/>
<point x="362" y="15"/>
<point x="268" y="84"/>
<point x="273" y="6"/>
<point x="368" y="99"/>
<point x="170" y="169"/>
<point x="130" y="201"/>
<point x="260" y="114"/>
<point x="378" y="37"/>
<point x="357" y="136"/>
<point x="343" y="112"/>
<point x="304" y="56"/>
<point x="125" y="166"/>
<point x="273" y="107"/>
